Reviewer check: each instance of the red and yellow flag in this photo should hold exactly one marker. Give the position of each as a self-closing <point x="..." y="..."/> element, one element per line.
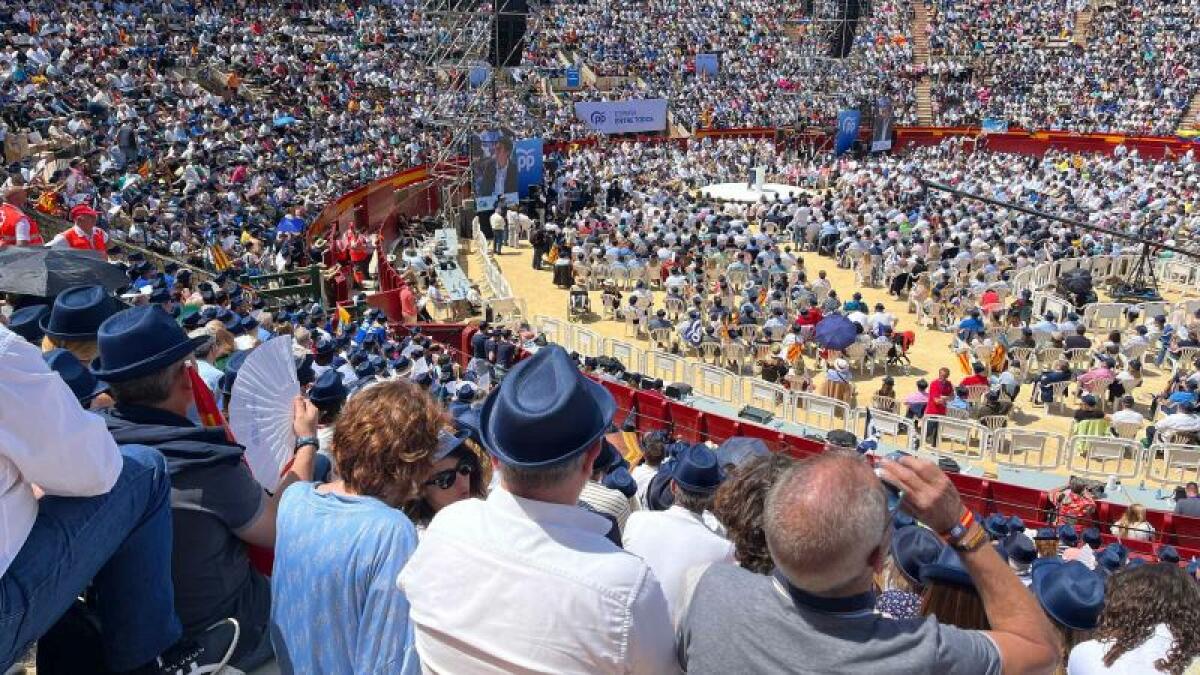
<point x="964" y="363"/>
<point x="220" y="259"/>
<point x="206" y="404"/>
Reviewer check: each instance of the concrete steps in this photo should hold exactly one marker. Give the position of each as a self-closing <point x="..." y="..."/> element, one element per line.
<point x="1191" y="119"/>
<point x="1083" y="23"/>
<point x="919" y="29"/>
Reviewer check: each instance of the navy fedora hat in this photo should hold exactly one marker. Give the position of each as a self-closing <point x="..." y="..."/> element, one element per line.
<point x="27" y="321"/>
<point x="449" y="441"/>
<point x="139" y="341"/>
<point x="82" y="382"/>
<point x="914" y="547"/>
<point x="996" y="525"/>
<point x="1019" y="550"/>
<point x="620" y="480"/>
<point x="327" y="388"/>
<point x="696" y="469"/>
<point x="545" y="412"/>
<point x="947" y="568"/>
<point x="78" y="312"/>
<point x="1067" y="534"/>
<point x="1069" y="592"/>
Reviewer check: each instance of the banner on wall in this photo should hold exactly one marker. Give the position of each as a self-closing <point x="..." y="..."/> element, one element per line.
<point x="478" y="74"/>
<point x="707" y="64"/>
<point x="847" y="131"/>
<point x="881" y="131"/>
<point x="994" y="125"/>
<point x="494" y="174"/>
<point x="573" y="79"/>
<point x="623" y="117"/>
<point x="529" y="164"/>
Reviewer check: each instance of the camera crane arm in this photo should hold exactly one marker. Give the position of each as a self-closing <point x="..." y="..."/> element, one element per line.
<point x="1141" y="277"/>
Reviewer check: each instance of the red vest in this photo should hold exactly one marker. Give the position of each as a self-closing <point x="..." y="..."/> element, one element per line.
<point x="9" y="217"/>
<point x="98" y="242"/>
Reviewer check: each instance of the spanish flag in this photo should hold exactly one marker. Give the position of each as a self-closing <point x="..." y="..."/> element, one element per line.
<point x="206" y="405"/>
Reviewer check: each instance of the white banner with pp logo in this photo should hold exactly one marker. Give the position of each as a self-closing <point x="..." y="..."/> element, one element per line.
<point x="623" y="117"/>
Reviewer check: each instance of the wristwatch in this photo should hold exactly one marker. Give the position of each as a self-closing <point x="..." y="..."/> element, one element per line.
<point x="966" y="535"/>
<point x="307" y="440"/>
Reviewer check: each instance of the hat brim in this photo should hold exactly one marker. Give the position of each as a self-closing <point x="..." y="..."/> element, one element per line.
<point x="149" y="364"/>
<point x="1037" y="580"/>
<point x="44" y="323"/>
<point x="600" y="395"/>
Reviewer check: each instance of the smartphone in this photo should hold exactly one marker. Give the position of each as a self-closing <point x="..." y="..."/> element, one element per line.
<point x="894" y="494"/>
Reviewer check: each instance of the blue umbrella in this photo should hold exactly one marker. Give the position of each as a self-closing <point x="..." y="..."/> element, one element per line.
<point x="284" y="121"/>
<point x="835" y="332"/>
<point x="291" y="224"/>
<point x="738" y="450"/>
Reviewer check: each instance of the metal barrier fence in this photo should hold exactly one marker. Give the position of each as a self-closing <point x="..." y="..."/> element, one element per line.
<point x="1027" y="448"/>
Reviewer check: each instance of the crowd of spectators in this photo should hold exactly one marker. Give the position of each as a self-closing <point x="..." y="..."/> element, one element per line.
<point x="461" y="543"/>
<point x="1135" y="69"/>
<point x="772" y="69"/>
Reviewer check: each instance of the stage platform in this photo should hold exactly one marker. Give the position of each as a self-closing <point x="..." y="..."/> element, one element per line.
<point x="742" y="192"/>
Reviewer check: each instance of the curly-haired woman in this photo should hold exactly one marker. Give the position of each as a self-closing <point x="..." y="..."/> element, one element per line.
<point x="1149" y="625"/>
<point x="739" y="506"/>
<point x="340" y="545"/>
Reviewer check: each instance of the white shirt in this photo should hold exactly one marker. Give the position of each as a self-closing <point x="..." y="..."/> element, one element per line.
<point x="533" y="587"/>
<point x="642" y="475"/>
<point x="1088" y="657"/>
<point x="673" y="542"/>
<point x="46" y="438"/>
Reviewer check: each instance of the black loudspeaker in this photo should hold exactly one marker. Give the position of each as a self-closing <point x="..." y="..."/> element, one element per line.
<point x="756" y="415"/>
<point x="508" y="33"/>
<point x="842" y="39"/>
<point x="678" y="390"/>
<point x="652" y="383"/>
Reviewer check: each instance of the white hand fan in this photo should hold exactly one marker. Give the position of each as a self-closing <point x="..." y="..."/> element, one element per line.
<point x="260" y="409"/>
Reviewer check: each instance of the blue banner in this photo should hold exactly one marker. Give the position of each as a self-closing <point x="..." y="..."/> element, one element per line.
<point x="478" y="75"/>
<point x="572" y="75"/>
<point x="847" y="130"/>
<point x="708" y="64"/>
<point x="993" y="125"/>
<point x="529" y="164"/>
<point x="622" y="117"/>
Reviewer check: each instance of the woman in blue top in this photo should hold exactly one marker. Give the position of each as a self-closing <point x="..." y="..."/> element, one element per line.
<point x="340" y="545"/>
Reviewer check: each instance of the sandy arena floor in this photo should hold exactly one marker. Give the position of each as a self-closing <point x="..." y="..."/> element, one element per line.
<point x="930" y="351"/>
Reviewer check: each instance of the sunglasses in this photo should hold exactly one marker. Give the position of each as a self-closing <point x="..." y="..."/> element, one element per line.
<point x="445" y="479"/>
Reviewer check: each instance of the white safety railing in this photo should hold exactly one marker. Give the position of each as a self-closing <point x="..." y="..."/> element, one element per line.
<point x="773" y="398"/>
<point x="714" y="382"/>
<point x="666" y="367"/>
<point x="821" y="412"/>
<point x="1027" y="448"/>
<point x="960" y="439"/>
<point x="633" y="358"/>
<point x="893" y="432"/>
<point x="1103" y="456"/>
<point x="1173" y="463"/>
<point x="588" y="342"/>
<point x="555" y="330"/>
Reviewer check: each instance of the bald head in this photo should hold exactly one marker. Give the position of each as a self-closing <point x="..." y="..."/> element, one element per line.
<point x="824" y="521"/>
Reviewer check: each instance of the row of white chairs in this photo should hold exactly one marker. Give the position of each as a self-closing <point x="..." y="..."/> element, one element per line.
<point x="961" y="439"/>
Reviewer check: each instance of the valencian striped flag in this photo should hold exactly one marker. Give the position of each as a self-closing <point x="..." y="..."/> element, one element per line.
<point x="220" y="259"/>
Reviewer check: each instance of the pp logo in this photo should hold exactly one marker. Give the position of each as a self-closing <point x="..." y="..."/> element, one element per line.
<point x="849" y="125"/>
<point x="598" y="117"/>
<point x="525" y="159"/>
